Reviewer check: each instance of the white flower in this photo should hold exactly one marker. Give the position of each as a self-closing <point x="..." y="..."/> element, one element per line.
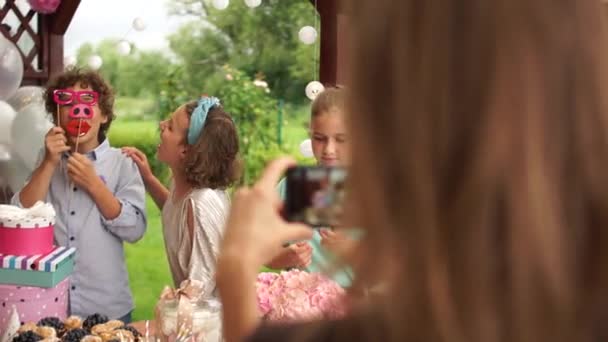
<point x="260" y="83"/>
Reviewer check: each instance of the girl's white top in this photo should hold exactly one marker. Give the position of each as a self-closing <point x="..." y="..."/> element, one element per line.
<point x="195" y="257"/>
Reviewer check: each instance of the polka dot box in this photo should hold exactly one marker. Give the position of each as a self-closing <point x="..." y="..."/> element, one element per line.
<point x="33" y="303"/>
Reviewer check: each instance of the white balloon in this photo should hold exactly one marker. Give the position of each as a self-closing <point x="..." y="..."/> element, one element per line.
<point x="25" y="96"/>
<point x="95" y="62"/>
<point x="313" y="89"/>
<point x="123" y="48"/>
<point x="308" y="35"/>
<point x="306" y="148"/>
<point x="139" y="24"/>
<point x="69" y="61"/>
<point x="221" y="4"/>
<point x="7" y="115"/>
<point x="5" y="153"/>
<point x="253" y="3"/>
<point x="14" y="172"/>
<point x="27" y="133"/>
<point x="11" y="68"/>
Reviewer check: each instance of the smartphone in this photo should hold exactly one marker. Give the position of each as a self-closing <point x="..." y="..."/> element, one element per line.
<point x="315" y="195"/>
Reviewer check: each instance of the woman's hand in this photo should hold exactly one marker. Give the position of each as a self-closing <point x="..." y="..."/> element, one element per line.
<point x="337" y="242"/>
<point x="295" y="255"/>
<point x="255" y="234"/>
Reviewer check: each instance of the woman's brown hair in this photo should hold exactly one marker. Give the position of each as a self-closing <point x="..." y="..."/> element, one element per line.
<point x="213" y="162"/>
<point x="481" y="172"/>
<point x="70" y="78"/>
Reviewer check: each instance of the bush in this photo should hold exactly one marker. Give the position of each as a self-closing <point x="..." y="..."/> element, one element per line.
<point x="254" y="111"/>
<point x="144" y="136"/>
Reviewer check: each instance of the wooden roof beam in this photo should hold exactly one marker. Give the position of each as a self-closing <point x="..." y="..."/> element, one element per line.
<point x="63" y="16"/>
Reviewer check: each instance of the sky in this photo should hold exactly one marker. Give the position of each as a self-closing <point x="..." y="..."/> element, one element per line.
<point x="96" y="20"/>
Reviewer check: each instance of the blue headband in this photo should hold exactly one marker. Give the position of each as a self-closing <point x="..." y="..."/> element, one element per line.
<point x="198" y="117"/>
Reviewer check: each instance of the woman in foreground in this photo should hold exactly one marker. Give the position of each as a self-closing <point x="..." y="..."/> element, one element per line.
<point x="480" y="172"/>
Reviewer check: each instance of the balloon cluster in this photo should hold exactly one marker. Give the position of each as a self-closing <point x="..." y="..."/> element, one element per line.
<point x="23" y="120"/>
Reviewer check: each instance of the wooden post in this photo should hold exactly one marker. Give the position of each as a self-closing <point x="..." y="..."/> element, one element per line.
<point x="58" y="25"/>
<point x="334" y="38"/>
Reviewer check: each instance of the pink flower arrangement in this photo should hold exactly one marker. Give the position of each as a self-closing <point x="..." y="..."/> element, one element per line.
<point x="299" y="296"/>
<point x="44" y="6"/>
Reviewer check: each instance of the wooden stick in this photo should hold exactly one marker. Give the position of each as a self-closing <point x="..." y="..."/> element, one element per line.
<point x="58" y="117"/>
<point x="78" y="135"/>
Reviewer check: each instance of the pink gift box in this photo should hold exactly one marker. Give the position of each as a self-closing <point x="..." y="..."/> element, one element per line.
<point x="39" y="240"/>
<point x="34" y="303"/>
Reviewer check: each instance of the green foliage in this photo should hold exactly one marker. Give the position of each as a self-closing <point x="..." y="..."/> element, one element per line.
<point x="147" y="264"/>
<point x="135" y="108"/>
<point x="259" y="43"/>
<point x="137" y="74"/>
<point x="255" y="114"/>
<point x="262" y="41"/>
<point x="144" y="136"/>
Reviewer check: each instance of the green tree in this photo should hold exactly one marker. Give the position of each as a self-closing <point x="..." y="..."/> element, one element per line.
<point x="263" y="42"/>
<point x="138" y="74"/>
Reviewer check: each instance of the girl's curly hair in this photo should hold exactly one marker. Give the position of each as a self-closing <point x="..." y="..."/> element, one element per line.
<point x="213" y="161"/>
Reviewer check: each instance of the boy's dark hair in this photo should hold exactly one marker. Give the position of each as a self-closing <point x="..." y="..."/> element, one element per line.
<point x="69" y="78"/>
<point x="213" y="162"/>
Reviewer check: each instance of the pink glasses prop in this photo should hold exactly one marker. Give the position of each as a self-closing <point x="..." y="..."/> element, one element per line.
<point x="65" y="97"/>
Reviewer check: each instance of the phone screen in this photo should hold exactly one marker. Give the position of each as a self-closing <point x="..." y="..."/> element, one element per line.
<point x="315" y="195"/>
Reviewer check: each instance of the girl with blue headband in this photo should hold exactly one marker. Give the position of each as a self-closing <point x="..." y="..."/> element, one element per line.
<point x="199" y="143"/>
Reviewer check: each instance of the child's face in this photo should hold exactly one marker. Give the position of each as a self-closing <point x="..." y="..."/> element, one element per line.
<point x="330" y="144"/>
<point x="86" y="128"/>
<point x="173" y="134"/>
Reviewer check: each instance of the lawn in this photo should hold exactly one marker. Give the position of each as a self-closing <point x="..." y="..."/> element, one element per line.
<point x="146" y="259"/>
<point x="148" y="267"/>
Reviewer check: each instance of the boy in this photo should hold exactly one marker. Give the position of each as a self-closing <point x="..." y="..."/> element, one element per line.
<point x="97" y="192"/>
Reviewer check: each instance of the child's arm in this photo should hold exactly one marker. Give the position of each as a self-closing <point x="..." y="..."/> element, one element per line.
<point x="122" y="208"/>
<point x="82" y="172"/>
<point x="155" y="188"/>
<point x="40" y="180"/>
<point x="295" y="255"/>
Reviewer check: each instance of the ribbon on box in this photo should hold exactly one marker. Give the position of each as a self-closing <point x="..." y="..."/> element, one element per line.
<point x="39" y="210"/>
<point x="187" y="295"/>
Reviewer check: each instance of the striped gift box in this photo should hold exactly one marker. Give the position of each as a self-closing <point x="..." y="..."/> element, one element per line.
<point x="44" y="270"/>
<point x="43" y="262"/>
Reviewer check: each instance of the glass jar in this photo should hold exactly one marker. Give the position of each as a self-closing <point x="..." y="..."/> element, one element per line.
<point x="206" y="321"/>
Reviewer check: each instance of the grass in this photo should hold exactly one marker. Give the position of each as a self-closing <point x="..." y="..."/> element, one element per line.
<point x="142" y="129"/>
<point x="147" y="265"/>
<point x="130" y="108"/>
<point x="146" y="259"/>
